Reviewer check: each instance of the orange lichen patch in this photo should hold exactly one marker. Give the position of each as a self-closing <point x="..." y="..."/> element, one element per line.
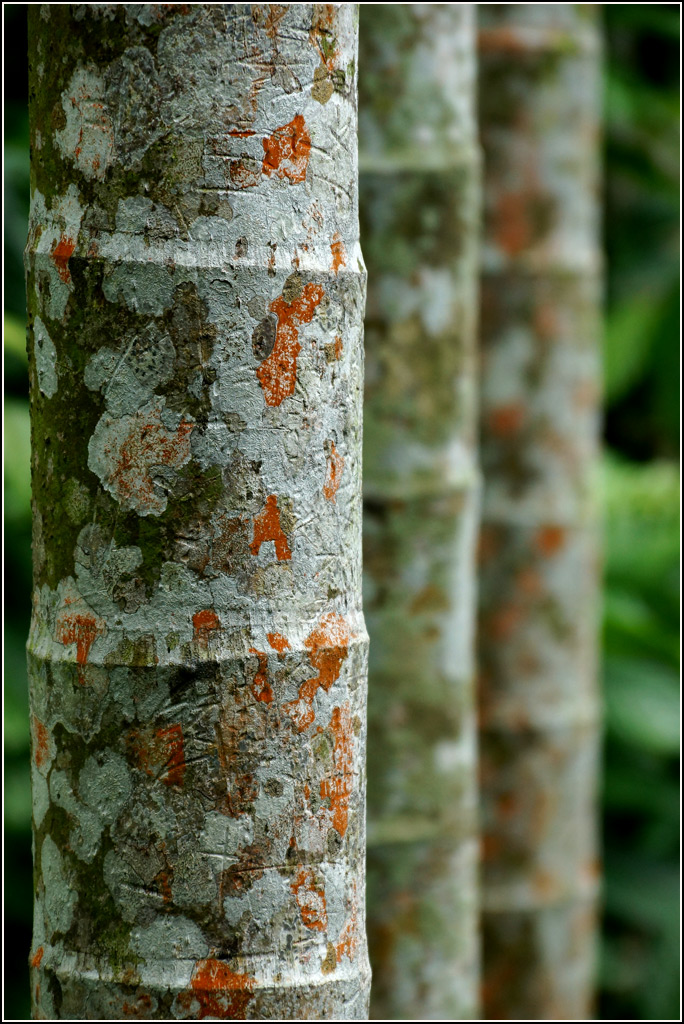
<point x="61" y="255"/>
<point x="512" y="222"/>
<point x="544" y="884"/>
<point x="328" y="647"/>
<point x="242" y="135"/>
<point x="81" y="629"/>
<point x="491" y="847"/>
<point x="244" y="173"/>
<point x="267" y="527"/>
<point x="529" y="582"/>
<point x="160" y="753"/>
<point x="37" y="957"/>
<point x="546" y="321"/>
<point x="507" y="805"/>
<point x="163" y="880"/>
<point x="338" y="347"/>
<point x="348" y="941"/>
<point x="41" y="742"/>
<point x="170" y="740"/>
<point x="550" y="539"/>
<point x="321" y="33"/>
<point x="261" y="688"/>
<point x="338" y="789"/>
<point x="217" y="991"/>
<point x="504" y="621"/>
<point x="203" y="623"/>
<point x="148" y="444"/>
<point x="311" y="900"/>
<point x="140" y="1009"/>
<point x="277" y="374"/>
<point x="287" y="151"/>
<point x="339" y="253"/>
<point x="333" y="474"/>
<point x="506" y="419"/>
<point x="278" y="642"/>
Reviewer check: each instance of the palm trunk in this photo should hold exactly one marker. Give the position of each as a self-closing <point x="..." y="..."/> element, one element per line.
<point x="539" y="578"/>
<point x="197" y="653"/>
<point x="419" y="215"/>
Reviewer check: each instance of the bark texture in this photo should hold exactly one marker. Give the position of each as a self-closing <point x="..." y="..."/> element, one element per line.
<point x="539" y="111"/>
<point x="419" y="220"/>
<point x="197" y="653"/>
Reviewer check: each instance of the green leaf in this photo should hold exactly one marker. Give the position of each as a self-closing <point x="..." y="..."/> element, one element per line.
<point x="17" y="448"/>
<point x="642" y="704"/>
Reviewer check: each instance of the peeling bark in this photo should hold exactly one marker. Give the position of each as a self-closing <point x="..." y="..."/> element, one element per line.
<point x="197" y="654"/>
<point x="539" y="578"/>
<point x="419" y="217"/>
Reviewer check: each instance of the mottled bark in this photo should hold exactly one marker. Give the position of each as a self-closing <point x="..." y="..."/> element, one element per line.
<point x="419" y="217"/>
<point x="539" y="111"/>
<point x="197" y="653"/>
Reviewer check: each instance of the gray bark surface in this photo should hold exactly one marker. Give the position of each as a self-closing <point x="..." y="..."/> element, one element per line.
<point x="539" y="577"/>
<point x="419" y="221"/>
<point x="197" y="654"/>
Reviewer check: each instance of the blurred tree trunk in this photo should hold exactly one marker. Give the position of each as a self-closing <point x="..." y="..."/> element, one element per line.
<point x="419" y="217"/>
<point x="197" y="653"/>
<point x="539" y="575"/>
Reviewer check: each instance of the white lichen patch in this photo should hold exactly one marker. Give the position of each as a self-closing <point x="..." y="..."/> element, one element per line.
<point x="53" y="237"/>
<point x="46" y="358"/>
<point x="169" y="938"/>
<point x="135" y="456"/>
<point x="105" y="785"/>
<point x="87" y="139"/>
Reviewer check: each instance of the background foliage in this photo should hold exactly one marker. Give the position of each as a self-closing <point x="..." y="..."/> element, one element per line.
<point x="640" y="487"/>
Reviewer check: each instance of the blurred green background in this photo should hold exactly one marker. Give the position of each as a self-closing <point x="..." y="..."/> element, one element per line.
<point x="639" y="971"/>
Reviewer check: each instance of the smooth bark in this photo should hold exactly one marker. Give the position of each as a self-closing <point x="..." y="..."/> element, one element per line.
<point x="419" y="218"/>
<point x="539" y="576"/>
<point x="197" y="654"/>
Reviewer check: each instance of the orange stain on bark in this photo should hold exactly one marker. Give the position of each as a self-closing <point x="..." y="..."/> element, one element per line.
<point x="503" y="622"/>
<point x="242" y="175"/>
<point x="334" y="473"/>
<point x="513" y="230"/>
<point x="339" y="253"/>
<point x="287" y="151"/>
<point x="160" y="753"/>
<point x="241" y="135"/>
<point x="328" y="647"/>
<point x="37" y="957"/>
<point x="82" y="630"/>
<point x="278" y="642"/>
<point x="529" y="582"/>
<point x="41" y="742"/>
<point x="546" y="320"/>
<point x="338" y="789"/>
<point x="550" y="539"/>
<point x="267" y="527"/>
<point x="261" y="688"/>
<point x="349" y="936"/>
<point x="506" y="419"/>
<point x="218" y="991"/>
<point x="277" y="374"/>
<point x="311" y="900"/>
<point x="170" y="742"/>
<point x="61" y="255"/>
<point x="203" y="623"/>
<point x="148" y="444"/>
<point x="140" y="1009"/>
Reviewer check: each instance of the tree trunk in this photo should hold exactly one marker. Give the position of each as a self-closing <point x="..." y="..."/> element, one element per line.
<point x="419" y="216"/>
<point x="197" y="653"/>
<point x="539" y="579"/>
